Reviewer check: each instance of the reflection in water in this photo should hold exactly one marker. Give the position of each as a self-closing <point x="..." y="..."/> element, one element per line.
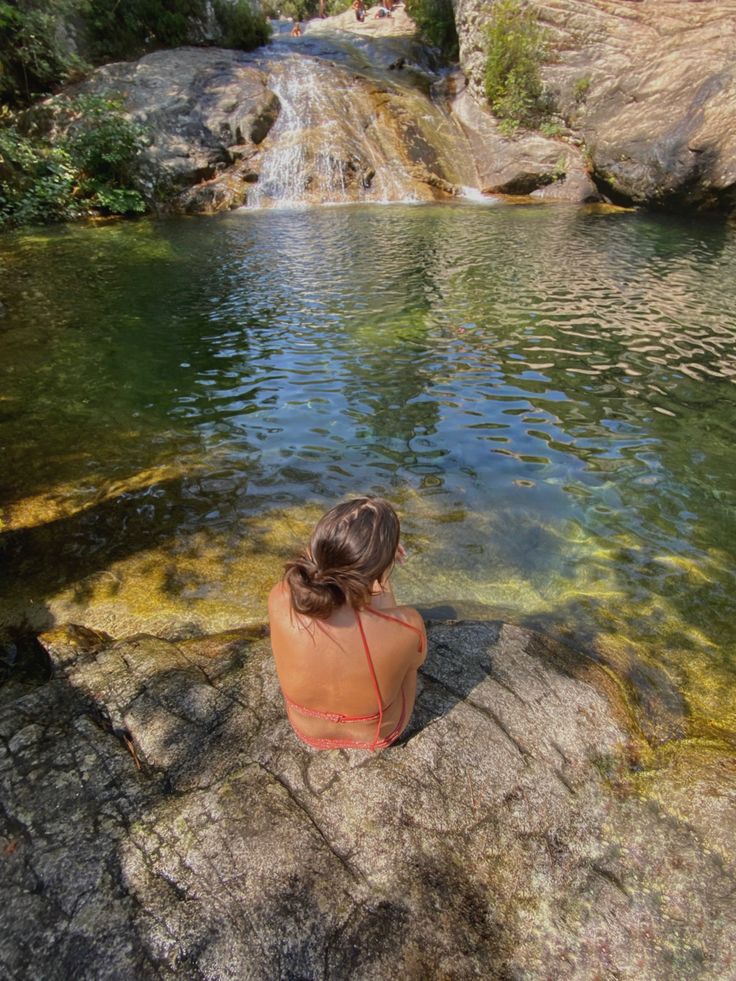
<point x="547" y="394"/>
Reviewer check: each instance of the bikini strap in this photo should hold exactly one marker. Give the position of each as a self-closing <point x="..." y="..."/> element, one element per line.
<point x="328" y="716"/>
<point x="374" y="679"/>
<point x="387" y="616"/>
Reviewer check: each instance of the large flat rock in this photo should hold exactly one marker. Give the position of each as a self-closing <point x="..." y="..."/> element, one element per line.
<point x="160" y="819"/>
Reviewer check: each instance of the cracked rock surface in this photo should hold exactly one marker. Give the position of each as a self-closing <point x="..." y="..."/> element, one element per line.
<point x="159" y="819"/>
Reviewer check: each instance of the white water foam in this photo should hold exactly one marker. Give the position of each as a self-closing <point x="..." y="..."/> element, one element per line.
<point x="477" y="196"/>
<point x="327" y="146"/>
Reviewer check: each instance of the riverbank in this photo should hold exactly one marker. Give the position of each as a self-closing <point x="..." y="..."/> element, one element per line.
<point x="159" y="816"/>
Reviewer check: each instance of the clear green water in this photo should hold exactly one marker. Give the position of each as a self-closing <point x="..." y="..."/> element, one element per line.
<point x="546" y="393"/>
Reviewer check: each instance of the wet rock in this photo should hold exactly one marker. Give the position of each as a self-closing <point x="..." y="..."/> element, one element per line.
<point x="358" y="119"/>
<point x="203" y="108"/>
<point x="526" y="164"/>
<point x="649" y="88"/>
<point x="159" y="817"/>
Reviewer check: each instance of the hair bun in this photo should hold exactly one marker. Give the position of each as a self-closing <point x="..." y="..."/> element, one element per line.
<point x="351" y="547"/>
<point x="314" y="591"/>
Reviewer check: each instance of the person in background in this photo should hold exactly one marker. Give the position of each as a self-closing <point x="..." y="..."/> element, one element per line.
<point x="296" y="30"/>
<point x="359" y="8"/>
<point x="346" y="654"/>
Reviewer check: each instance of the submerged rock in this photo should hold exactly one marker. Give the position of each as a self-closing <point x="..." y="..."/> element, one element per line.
<point x="159" y="817"/>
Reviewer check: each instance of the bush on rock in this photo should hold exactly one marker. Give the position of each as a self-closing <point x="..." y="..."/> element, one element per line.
<point x="90" y="169"/>
<point x="517" y="44"/>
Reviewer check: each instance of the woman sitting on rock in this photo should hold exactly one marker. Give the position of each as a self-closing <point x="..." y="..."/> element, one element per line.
<point x="346" y="655"/>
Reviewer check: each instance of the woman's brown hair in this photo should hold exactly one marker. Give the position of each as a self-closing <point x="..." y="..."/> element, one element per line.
<point x="351" y="547"/>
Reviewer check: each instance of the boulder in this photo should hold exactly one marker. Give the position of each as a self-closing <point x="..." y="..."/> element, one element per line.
<point x="205" y="110"/>
<point x="159" y="818"/>
<point x="649" y="88"/>
<point x="525" y="164"/>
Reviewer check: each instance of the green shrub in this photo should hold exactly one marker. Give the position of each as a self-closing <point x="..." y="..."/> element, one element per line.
<point x="33" y="58"/>
<point x="36" y="181"/>
<point x="509" y="127"/>
<point x="333" y="7"/>
<point x="436" y="20"/>
<point x="517" y="44"/>
<point x="242" y="26"/>
<point x="125" y="29"/>
<point x="90" y="170"/>
<point x="101" y="140"/>
<point x="550" y="128"/>
<point x="580" y="89"/>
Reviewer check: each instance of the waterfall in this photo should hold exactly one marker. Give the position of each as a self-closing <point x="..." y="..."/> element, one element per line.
<point x="332" y="142"/>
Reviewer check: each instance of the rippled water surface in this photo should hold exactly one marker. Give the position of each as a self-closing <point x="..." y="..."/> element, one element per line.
<point x="546" y="393"/>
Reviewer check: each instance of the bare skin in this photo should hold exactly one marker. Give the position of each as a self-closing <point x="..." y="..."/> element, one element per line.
<point x="322" y="664"/>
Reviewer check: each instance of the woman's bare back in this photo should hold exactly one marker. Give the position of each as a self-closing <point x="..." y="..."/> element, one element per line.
<point x="327" y="667"/>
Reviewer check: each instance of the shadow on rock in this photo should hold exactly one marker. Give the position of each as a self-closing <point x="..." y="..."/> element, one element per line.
<point x="159" y="817"/>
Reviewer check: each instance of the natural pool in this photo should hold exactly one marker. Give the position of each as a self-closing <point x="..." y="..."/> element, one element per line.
<point x="546" y="393"/>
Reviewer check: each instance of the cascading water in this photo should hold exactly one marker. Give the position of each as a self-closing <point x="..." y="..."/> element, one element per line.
<point x="331" y="142"/>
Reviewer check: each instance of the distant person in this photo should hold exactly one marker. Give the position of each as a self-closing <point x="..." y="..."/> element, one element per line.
<point x="346" y="655"/>
<point x="296" y="30"/>
<point x="359" y="8"/>
<point x="322" y="8"/>
<point x="383" y="10"/>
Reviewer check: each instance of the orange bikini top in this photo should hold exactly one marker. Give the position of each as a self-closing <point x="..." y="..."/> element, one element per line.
<point x="377" y="743"/>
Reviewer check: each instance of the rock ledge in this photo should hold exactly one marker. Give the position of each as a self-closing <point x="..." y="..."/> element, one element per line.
<point x="159" y="819"/>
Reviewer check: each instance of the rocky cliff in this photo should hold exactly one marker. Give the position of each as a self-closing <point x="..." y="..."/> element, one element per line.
<point x="347" y="112"/>
<point x="648" y="87"/>
<point x="159" y="819"/>
<point x="361" y="112"/>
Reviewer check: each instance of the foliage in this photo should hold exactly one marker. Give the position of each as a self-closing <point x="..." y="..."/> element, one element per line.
<point x="580" y="89"/>
<point x="333" y="7"/>
<point x="33" y="57"/>
<point x="102" y="140"/>
<point x="517" y="44"/>
<point x="509" y="127"/>
<point x="242" y="25"/>
<point x="91" y="169"/>
<point x="550" y="127"/>
<point x="301" y="10"/>
<point x="436" y="20"/>
<point x="36" y="51"/>
<point x="295" y="9"/>
<point x="122" y="30"/>
<point x="36" y="181"/>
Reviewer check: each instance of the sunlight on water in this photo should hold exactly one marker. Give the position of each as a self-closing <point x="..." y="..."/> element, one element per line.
<point x="546" y="393"/>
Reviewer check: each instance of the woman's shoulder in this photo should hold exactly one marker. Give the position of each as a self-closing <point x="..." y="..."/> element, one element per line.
<point x="279" y="600"/>
<point x="406" y="614"/>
